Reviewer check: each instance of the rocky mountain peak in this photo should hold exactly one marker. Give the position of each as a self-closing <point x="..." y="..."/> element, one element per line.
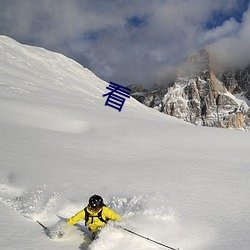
<point x="196" y="64"/>
<point x="200" y="96"/>
<point x="237" y="81"/>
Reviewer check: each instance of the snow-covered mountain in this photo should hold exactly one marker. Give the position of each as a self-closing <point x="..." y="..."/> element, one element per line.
<point x="182" y="185"/>
<point x="201" y="96"/>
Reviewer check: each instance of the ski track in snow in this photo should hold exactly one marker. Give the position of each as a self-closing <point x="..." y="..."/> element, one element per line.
<point x="43" y="117"/>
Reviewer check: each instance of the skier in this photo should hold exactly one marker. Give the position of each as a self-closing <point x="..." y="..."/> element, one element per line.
<point x="95" y="214"/>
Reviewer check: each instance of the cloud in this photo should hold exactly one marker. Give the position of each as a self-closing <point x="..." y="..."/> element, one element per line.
<point x="228" y="28"/>
<point x="233" y="49"/>
<point x="126" y="42"/>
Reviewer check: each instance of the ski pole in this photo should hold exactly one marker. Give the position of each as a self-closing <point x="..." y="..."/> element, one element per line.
<point x="45" y="228"/>
<point x="146" y="238"/>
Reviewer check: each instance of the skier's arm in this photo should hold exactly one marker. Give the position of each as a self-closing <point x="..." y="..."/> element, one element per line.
<point x="77" y="217"/>
<point x="110" y="214"/>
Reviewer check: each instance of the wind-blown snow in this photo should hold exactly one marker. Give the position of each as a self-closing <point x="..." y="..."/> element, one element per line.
<point x="179" y="184"/>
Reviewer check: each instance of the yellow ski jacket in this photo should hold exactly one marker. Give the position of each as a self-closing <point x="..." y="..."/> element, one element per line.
<point x="94" y="223"/>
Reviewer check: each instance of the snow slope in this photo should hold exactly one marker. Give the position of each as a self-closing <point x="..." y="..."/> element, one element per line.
<point x="176" y="183"/>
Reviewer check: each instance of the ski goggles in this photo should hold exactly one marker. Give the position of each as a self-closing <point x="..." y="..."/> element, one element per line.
<point x="94" y="208"/>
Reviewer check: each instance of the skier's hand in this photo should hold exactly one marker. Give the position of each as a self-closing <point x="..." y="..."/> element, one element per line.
<point x="60" y="233"/>
<point x="62" y="230"/>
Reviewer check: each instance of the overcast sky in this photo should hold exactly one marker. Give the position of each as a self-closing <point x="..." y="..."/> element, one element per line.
<point x="131" y="41"/>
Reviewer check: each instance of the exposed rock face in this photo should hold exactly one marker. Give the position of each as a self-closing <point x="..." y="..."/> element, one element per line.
<point x="237" y="81"/>
<point x="199" y="97"/>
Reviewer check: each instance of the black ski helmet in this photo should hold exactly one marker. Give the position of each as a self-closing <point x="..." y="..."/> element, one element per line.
<point x="96" y="202"/>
